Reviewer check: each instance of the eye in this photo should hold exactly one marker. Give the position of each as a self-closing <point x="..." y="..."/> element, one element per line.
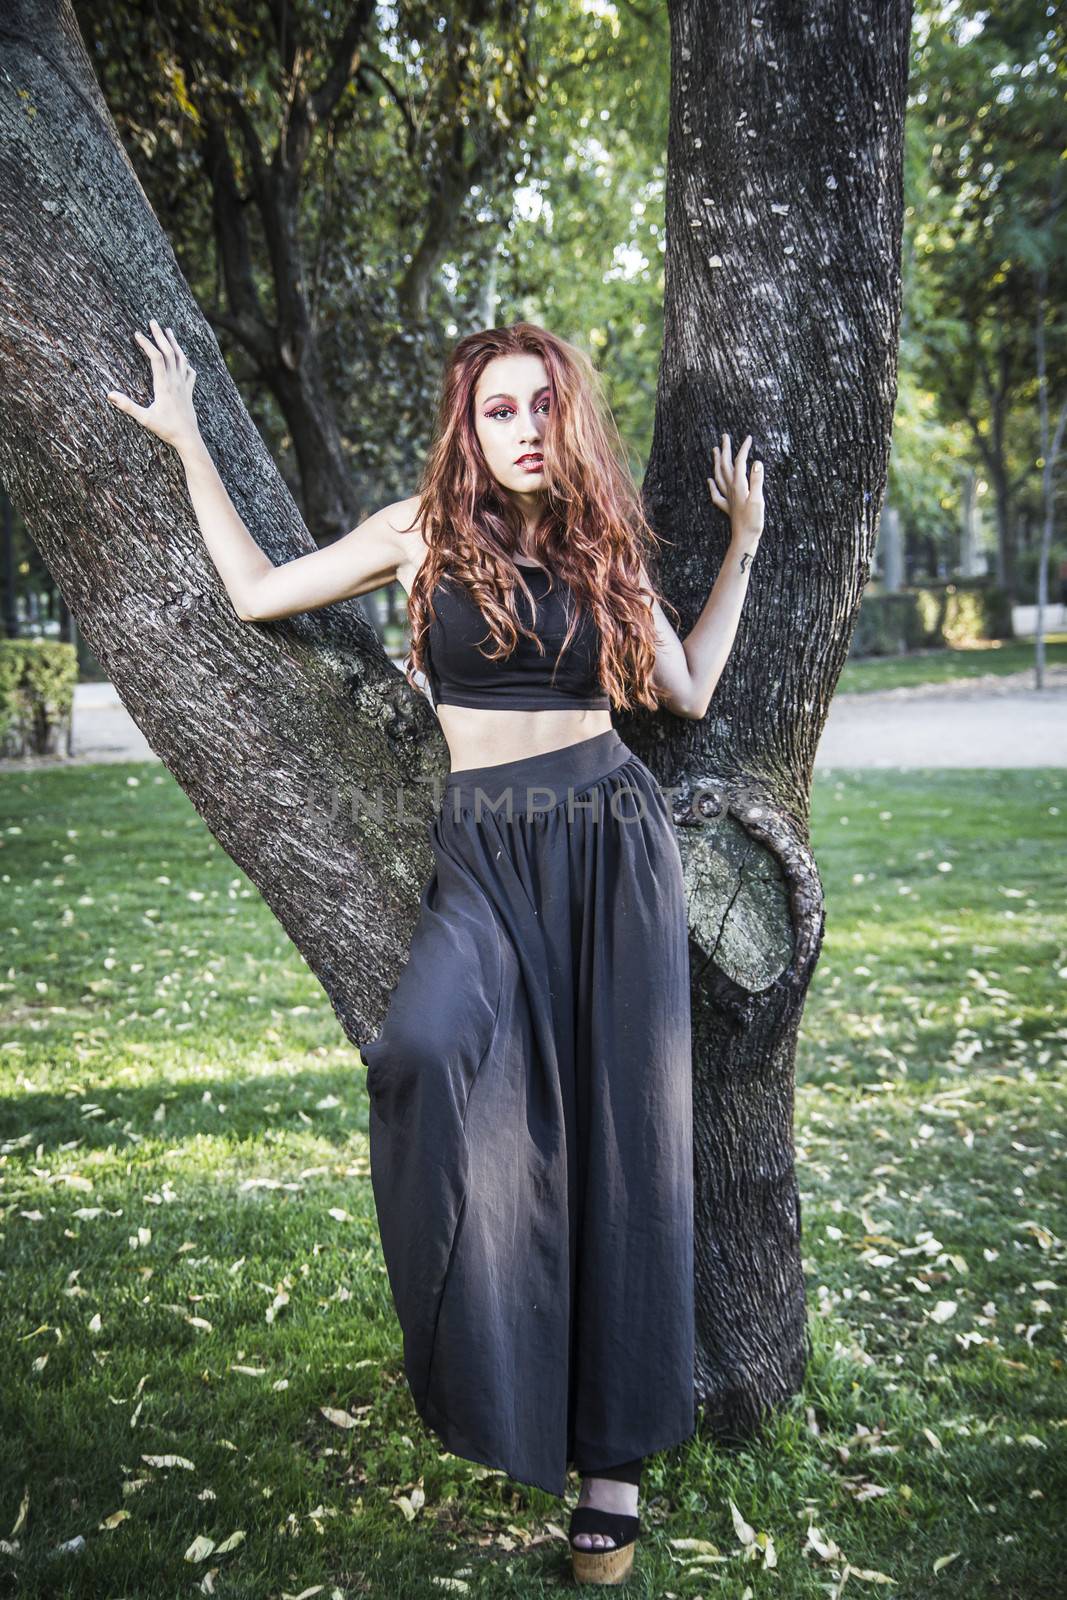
<point x="508" y="411"/>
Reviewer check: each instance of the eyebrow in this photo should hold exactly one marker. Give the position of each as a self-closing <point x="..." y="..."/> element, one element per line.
<point x="544" y="389"/>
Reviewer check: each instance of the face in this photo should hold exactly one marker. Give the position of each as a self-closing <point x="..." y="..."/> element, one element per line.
<point x="511" y="406"/>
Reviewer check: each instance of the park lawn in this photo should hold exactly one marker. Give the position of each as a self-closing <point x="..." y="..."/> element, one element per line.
<point x="869" y="673"/>
<point x="191" y="1269"/>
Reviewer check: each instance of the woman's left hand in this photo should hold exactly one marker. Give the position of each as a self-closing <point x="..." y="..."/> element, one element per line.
<point x="732" y="492"/>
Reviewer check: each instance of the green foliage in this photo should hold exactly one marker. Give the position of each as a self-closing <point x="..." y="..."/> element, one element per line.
<point x="585" y="246"/>
<point x="1028" y="570"/>
<point x="558" y="115"/>
<point x="957" y="613"/>
<point x="928" y="468"/>
<point x="37" y="678"/>
<point x="398" y="195"/>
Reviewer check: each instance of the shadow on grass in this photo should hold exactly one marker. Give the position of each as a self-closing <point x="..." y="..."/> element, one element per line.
<point x="253" y="1105"/>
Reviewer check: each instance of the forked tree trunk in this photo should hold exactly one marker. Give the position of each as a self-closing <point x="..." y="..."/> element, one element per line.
<point x="784" y="219"/>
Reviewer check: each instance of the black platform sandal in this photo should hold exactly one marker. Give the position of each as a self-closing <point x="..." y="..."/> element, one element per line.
<point x="613" y="1563"/>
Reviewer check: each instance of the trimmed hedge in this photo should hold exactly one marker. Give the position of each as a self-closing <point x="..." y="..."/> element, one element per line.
<point x="938" y="615"/>
<point x="37" y="678"/>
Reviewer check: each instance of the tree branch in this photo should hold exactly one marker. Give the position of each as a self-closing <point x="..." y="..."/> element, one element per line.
<point x="234" y="245"/>
<point x="255" y="336"/>
<point x="399" y="99"/>
<point x="345" y="62"/>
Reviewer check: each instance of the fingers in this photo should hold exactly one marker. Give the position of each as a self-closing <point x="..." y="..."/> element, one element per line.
<point x="183" y="364"/>
<point x="737" y="465"/>
<point x="151" y="350"/>
<point x="720" y="475"/>
<point x="163" y="346"/>
<point x="731" y="485"/>
<point x="160" y="337"/>
<point x="754" y="484"/>
<point x="122" y="402"/>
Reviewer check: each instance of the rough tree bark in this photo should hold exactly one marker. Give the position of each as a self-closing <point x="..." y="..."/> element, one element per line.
<point x="784" y="219"/>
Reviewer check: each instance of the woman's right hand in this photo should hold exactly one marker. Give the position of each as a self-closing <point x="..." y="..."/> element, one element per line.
<point x="171" y="416"/>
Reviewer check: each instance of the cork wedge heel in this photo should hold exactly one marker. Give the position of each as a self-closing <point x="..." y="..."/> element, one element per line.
<point x="613" y="1564"/>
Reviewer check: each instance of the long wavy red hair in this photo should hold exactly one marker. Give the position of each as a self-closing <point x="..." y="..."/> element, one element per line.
<point x="592" y="531"/>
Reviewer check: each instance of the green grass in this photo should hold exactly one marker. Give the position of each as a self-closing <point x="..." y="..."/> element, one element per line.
<point x="184" y="1191"/>
<point x="947" y="666"/>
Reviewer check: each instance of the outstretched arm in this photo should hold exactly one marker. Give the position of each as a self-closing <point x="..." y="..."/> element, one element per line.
<point x="687" y="671"/>
<point x="364" y="559"/>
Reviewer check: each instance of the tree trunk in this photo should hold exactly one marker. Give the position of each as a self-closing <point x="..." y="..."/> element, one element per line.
<point x="995" y="373"/>
<point x="970" y="565"/>
<point x="278" y="731"/>
<point x="784" y="218"/>
<point x="331" y="505"/>
<point x="1006" y="532"/>
<point x="286" y="349"/>
<point x="892" y="549"/>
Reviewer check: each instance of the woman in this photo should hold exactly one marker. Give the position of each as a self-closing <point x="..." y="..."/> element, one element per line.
<point x="530" y="1090"/>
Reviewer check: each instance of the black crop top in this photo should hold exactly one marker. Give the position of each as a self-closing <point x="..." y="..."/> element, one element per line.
<point x="461" y="674"/>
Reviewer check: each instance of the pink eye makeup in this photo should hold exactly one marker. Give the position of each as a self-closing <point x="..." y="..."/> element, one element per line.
<point x="507" y="411"/>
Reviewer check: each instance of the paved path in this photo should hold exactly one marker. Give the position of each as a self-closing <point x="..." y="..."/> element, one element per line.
<point x="103" y="728"/>
<point x="978" y="722"/>
<point x="981" y="722"/>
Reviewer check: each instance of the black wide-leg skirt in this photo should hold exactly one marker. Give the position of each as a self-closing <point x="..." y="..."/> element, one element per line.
<point x="531" y="1120"/>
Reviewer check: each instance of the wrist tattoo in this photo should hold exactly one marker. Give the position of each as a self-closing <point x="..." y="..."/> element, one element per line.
<point x="745" y="559"/>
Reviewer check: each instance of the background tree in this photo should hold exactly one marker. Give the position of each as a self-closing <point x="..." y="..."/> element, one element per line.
<point x="989" y="107"/>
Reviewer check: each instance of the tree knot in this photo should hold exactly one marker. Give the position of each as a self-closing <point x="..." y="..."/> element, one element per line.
<point x="703" y="798"/>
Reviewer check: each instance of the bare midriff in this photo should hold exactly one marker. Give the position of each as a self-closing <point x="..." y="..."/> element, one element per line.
<point x="481" y="737"/>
